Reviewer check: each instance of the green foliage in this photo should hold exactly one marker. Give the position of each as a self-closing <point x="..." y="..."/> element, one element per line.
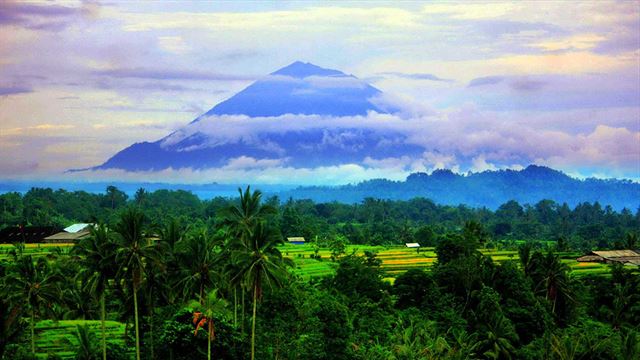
<point x="169" y="247"/>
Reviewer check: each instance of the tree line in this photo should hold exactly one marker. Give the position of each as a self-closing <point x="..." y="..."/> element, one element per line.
<point x="585" y="227"/>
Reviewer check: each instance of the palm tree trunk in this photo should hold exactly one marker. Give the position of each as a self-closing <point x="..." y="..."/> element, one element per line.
<point x="135" y="315"/>
<point x="253" y="326"/>
<point x="33" y="331"/>
<point x="104" y="332"/>
<point x="209" y="342"/>
<point x="153" y="357"/>
<point x="242" y="324"/>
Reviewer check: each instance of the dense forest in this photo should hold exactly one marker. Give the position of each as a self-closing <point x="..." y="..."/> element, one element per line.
<point x="194" y="279"/>
<point x="586" y="226"/>
<point x="484" y="189"/>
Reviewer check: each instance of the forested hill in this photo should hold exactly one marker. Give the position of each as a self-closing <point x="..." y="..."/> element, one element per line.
<point x="489" y="189"/>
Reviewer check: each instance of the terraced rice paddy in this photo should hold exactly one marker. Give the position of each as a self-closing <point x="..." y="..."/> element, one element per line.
<point x="36" y="250"/>
<point x="58" y="336"/>
<point x="398" y="259"/>
<point x="395" y="259"/>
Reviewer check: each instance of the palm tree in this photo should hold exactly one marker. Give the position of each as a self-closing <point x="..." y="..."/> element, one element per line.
<point x="86" y="340"/>
<point x="524" y="253"/>
<point x="98" y="253"/>
<point x="259" y="262"/>
<point x="170" y="237"/>
<point x="79" y="301"/>
<point x="133" y="249"/>
<point x="34" y="285"/>
<point x="205" y="310"/>
<point x="197" y="270"/>
<point x="243" y="219"/>
<point x="240" y="221"/>
<point x="550" y="275"/>
<point x="631" y="241"/>
<point x="10" y="322"/>
<point x="497" y="339"/>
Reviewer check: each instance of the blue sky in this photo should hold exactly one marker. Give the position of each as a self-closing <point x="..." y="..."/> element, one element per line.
<point x="483" y="85"/>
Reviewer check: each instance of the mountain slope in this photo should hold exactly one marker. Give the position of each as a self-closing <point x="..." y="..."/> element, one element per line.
<point x="307" y="92"/>
<point x="302" y="88"/>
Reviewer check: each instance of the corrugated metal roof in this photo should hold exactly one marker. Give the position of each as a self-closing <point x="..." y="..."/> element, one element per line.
<point x="76" y="227"/>
<point x="296" y="239"/>
<point x="412" y="245"/>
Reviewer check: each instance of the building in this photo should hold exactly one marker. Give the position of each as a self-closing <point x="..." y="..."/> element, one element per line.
<point x="296" y="240"/>
<point x="627" y="257"/>
<point x="413" y="246"/>
<point x="70" y="234"/>
<point x="26" y="234"/>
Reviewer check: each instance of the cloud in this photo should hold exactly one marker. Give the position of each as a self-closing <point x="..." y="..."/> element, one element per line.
<point x="170" y="74"/>
<point x="487" y="80"/>
<point x="279" y="174"/>
<point x="465" y="139"/>
<point x="480" y="164"/>
<point x="416" y="76"/>
<point x="532" y="84"/>
<point x="49" y="17"/>
<point x="518" y="83"/>
<point x="12" y="90"/>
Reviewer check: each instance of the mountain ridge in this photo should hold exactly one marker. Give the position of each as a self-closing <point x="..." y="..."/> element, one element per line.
<point x="490" y="189"/>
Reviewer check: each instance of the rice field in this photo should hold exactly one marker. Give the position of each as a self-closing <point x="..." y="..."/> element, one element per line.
<point x="398" y="259"/>
<point x="395" y="259"/>
<point x="58" y="336"/>
<point x="36" y="250"/>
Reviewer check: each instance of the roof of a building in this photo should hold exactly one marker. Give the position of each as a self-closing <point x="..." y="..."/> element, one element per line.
<point x="76" y="227"/>
<point x="295" y="239"/>
<point x="67" y="236"/>
<point x="589" y="258"/>
<point x="29" y="234"/>
<point x="629" y="257"/>
<point x="412" y="245"/>
<point x="609" y="254"/>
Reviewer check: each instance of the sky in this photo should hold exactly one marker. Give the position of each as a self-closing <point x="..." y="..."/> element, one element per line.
<point x="483" y="86"/>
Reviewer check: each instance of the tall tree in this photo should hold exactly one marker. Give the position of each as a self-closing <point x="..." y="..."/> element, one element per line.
<point x="133" y="249"/>
<point x="205" y="310"/>
<point x="34" y="284"/>
<point x="98" y="254"/>
<point x="260" y="262"/>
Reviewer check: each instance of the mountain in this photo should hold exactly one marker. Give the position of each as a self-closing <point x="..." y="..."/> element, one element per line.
<point x="486" y="189"/>
<point x="302" y="88"/>
<point x="299" y="92"/>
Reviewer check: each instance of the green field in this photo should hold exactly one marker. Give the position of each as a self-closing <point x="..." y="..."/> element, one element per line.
<point x="58" y="336"/>
<point x="395" y="259"/>
<point x="398" y="259"/>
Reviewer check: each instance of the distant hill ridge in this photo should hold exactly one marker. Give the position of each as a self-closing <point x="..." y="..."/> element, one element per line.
<point x="485" y="189"/>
